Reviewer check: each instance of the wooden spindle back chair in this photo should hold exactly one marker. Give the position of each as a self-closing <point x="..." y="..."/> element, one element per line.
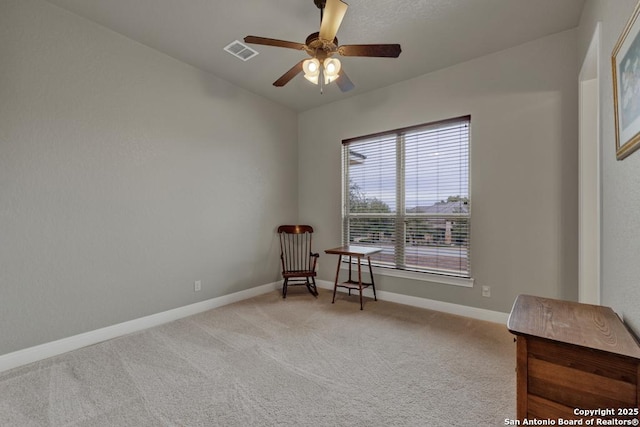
<point x="298" y="260"/>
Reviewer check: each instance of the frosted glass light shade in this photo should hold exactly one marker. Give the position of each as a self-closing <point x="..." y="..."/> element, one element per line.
<point x="311" y="68"/>
<point x="331" y="70"/>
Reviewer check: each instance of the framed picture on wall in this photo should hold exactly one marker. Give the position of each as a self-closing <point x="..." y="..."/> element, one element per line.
<point x="625" y="62"/>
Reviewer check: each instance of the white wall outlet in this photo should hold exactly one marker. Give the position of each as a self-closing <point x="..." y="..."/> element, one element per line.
<point x="197" y="285"/>
<point x="486" y="291"/>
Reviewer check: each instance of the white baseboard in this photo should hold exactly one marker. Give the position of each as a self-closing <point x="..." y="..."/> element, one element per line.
<point x="54" y="348"/>
<point x="446" y="307"/>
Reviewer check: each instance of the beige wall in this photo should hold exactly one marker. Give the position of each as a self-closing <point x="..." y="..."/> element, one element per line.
<point x="620" y="190"/>
<point x="125" y="176"/>
<point x="118" y="166"/>
<point x="523" y="106"/>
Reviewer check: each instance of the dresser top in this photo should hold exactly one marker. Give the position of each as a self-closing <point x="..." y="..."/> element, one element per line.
<point x="591" y="326"/>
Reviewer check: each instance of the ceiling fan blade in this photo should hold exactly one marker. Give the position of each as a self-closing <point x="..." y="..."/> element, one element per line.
<point x="273" y="42"/>
<point x="332" y="16"/>
<point x="375" y="50"/>
<point x="344" y="82"/>
<point x="286" y="77"/>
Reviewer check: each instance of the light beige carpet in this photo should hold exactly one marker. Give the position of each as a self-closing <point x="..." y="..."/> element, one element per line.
<point x="273" y="362"/>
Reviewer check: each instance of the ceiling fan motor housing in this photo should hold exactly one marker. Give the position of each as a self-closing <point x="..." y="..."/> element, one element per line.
<point x="318" y="48"/>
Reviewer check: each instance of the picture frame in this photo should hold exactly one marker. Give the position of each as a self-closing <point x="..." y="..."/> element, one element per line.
<point x="625" y="63"/>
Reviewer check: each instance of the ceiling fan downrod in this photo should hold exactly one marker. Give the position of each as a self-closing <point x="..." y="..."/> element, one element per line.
<point x="320" y="4"/>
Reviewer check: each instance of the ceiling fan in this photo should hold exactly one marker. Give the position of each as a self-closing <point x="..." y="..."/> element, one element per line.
<point x="323" y="45"/>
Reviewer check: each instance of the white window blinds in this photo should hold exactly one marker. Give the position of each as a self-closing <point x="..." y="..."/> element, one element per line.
<point x="407" y="191"/>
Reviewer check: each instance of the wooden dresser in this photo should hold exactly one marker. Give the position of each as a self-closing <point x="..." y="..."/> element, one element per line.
<point x="573" y="356"/>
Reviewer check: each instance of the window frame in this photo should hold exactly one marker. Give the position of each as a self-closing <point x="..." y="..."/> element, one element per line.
<point x="401" y="216"/>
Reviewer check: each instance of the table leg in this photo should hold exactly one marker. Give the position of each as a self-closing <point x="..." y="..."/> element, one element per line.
<point x="360" y="280"/>
<point x="350" y="274"/>
<point x="335" y="283"/>
<point x="372" y="284"/>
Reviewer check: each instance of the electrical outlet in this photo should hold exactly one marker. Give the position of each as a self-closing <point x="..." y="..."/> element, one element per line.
<point x="197" y="285"/>
<point x="486" y="291"/>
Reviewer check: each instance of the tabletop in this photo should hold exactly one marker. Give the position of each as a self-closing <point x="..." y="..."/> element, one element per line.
<point x="351" y="250"/>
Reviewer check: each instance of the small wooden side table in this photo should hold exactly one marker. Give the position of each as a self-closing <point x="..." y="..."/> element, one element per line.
<point x="359" y="252"/>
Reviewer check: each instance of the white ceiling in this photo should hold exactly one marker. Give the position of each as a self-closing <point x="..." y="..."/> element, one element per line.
<point x="434" y="34"/>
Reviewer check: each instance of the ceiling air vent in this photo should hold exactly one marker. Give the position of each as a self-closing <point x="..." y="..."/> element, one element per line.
<point x="240" y="50"/>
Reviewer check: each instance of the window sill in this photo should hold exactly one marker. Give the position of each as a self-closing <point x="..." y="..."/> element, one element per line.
<point x="415" y="275"/>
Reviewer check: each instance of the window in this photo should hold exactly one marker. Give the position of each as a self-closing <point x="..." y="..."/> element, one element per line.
<point x="407" y="191"/>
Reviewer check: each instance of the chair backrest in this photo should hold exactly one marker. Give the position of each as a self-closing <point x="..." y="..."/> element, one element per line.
<point x="295" y="247"/>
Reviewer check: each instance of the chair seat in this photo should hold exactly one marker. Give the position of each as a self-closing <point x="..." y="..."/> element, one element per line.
<point x="302" y="273"/>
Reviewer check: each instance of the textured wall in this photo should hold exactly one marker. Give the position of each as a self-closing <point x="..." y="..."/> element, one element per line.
<point x="523" y="106"/>
<point x="620" y="286"/>
<point x="125" y="176"/>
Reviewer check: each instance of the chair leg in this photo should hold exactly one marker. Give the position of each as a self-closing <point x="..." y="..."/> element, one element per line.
<point x="284" y="287"/>
<point x="313" y="285"/>
<point x="309" y="288"/>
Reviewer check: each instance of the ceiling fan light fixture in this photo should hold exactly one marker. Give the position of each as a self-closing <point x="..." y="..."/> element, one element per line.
<point x="331" y="69"/>
<point x="312" y="79"/>
<point x="311" y="68"/>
